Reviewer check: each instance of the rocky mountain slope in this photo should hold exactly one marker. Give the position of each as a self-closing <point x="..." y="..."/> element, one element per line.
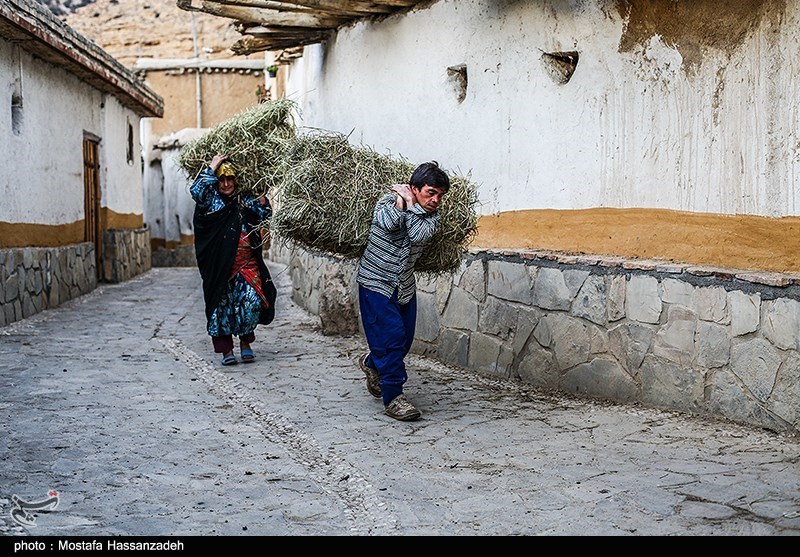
<point x="64" y="7"/>
<point x="132" y="29"/>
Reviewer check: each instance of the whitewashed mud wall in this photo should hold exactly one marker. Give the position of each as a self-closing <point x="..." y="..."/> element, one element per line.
<point x="45" y="145"/>
<point x="168" y="203"/>
<point x="694" y="113"/>
<point x="52" y="161"/>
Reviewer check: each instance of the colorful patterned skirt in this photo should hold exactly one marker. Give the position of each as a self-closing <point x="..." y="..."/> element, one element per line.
<point x="238" y="310"/>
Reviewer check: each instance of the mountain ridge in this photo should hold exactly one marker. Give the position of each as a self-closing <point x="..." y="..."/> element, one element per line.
<point x="132" y="29"/>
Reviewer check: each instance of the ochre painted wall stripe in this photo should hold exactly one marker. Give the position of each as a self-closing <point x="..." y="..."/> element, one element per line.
<point x="727" y="241"/>
<point x="18" y="235"/>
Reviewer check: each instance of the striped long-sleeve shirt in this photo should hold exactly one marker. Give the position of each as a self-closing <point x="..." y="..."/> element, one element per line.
<point x="396" y="240"/>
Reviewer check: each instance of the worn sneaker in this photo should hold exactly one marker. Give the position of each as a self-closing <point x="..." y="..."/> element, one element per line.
<point x="401" y="409"/>
<point x="373" y="379"/>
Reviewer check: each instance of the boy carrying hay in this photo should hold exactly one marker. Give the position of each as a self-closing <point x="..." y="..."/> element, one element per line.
<point x="403" y="223"/>
<point x="319" y="162"/>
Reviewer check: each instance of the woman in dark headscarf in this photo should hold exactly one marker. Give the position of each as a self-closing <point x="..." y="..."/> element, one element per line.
<point x="237" y="286"/>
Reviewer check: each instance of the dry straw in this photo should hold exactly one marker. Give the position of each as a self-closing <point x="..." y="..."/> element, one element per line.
<point x="329" y="191"/>
<point x="323" y="189"/>
<point x="254" y="140"/>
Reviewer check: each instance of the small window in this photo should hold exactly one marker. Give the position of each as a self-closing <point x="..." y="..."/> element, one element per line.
<point x="16" y="114"/>
<point x="129" y="154"/>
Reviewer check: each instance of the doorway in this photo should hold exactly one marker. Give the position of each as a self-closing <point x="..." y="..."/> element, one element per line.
<point x="91" y="186"/>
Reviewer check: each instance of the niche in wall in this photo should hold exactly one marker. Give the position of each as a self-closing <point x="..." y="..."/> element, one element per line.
<point x="129" y="147"/>
<point x="560" y="65"/>
<point x="16" y="114"/>
<point x="457" y="77"/>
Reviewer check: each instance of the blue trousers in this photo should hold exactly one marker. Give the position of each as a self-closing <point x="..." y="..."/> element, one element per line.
<point x="389" y="328"/>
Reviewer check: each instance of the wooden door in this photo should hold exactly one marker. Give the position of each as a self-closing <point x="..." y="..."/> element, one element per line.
<point x="91" y="186"/>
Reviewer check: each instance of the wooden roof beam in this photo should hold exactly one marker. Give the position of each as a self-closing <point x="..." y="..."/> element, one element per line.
<point x="288" y="54"/>
<point x="275" y="31"/>
<point x="265" y="16"/>
<point x="358" y="7"/>
<point x="251" y="45"/>
<point x="337" y="8"/>
<point x="279" y="24"/>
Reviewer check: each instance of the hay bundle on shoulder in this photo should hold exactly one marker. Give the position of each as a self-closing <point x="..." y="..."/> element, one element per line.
<point x="329" y="191"/>
<point x="254" y="140"/>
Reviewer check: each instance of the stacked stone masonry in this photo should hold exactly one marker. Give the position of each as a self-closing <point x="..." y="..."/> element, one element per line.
<point x="699" y="340"/>
<point x="126" y="253"/>
<point x="35" y="279"/>
<point x="182" y="256"/>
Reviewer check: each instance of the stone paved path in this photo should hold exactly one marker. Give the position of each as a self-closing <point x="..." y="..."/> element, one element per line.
<point x="117" y="401"/>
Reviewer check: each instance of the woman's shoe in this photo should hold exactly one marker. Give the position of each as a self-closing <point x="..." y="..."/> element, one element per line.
<point x="229" y="360"/>
<point x="247" y="355"/>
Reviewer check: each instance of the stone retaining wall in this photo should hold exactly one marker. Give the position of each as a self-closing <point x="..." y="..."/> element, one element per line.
<point x="182" y="256"/>
<point x="126" y="253"/>
<point x="35" y="279"/>
<point x="692" y="339"/>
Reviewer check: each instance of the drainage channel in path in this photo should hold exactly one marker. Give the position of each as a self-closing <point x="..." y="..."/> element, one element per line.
<point x="366" y="508"/>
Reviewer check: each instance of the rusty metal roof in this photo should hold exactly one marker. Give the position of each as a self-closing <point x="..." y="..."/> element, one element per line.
<point x="273" y="26"/>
